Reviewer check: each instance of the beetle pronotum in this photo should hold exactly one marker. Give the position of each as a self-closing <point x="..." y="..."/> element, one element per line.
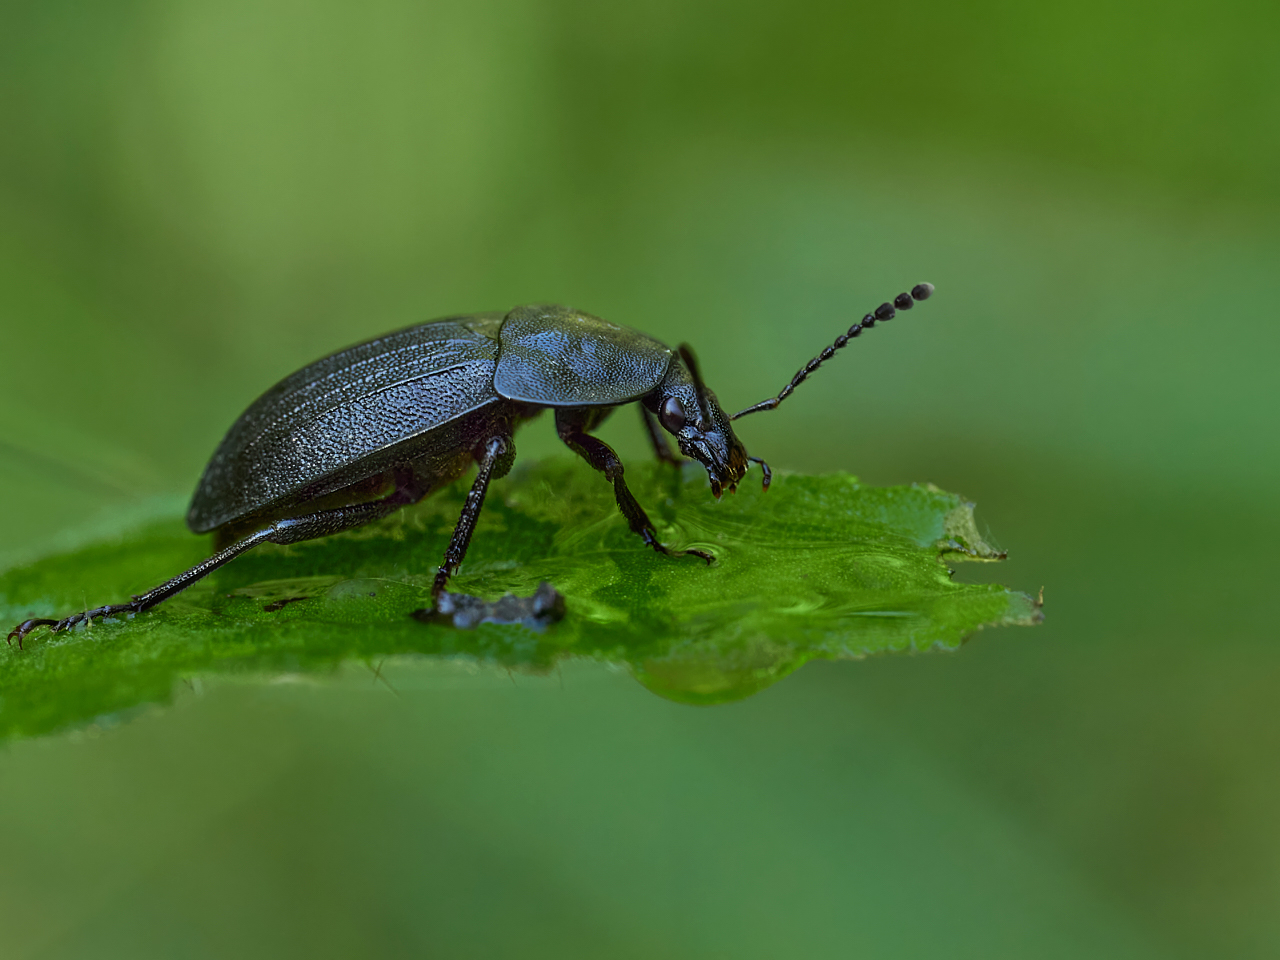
<point x="375" y="427"/>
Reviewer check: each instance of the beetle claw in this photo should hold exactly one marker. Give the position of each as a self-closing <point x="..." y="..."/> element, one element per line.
<point x="66" y="623"/>
<point x="26" y="626"/>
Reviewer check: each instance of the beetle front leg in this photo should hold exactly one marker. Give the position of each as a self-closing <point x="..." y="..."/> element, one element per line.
<point x="602" y="457"/>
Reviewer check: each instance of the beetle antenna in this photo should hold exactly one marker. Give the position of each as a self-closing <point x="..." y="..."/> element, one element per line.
<point x="700" y="388"/>
<point x="886" y="311"/>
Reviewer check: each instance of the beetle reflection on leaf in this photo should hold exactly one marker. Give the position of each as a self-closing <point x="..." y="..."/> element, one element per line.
<point x="375" y="427"/>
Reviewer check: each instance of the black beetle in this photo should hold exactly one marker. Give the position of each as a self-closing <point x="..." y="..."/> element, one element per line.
<point x="370" y="429"/>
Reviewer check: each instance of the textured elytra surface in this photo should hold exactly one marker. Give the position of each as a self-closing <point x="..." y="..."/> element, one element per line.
<point x="344" y="410"/>
<point x="818" y="567"/>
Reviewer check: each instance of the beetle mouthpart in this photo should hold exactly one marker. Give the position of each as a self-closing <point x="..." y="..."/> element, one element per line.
<point x="715" y="488"/>
<point x="764" y="469"/>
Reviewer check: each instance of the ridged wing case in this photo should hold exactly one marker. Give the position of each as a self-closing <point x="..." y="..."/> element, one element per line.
<point x="348" y="416"/>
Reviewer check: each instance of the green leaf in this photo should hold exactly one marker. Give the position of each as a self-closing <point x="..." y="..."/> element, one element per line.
<point x="820" y="566"/>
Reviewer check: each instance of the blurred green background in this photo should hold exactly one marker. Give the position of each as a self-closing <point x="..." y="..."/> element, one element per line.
<point x="196" y="198"/>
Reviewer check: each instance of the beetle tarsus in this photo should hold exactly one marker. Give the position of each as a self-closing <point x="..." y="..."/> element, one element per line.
<point x="651" y="538"/>
<point x="25" y="627"/>
<point x="66" y="623"/>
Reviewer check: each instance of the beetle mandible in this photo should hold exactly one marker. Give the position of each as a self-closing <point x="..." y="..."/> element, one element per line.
<point x="375" y="427"/>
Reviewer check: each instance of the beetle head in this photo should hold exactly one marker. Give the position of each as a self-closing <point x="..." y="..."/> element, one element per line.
<point x="691" y="413"/>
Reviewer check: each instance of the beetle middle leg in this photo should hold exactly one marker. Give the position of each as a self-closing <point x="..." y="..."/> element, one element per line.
<point x="572" y="425"/>
<point x="494" y="458"/>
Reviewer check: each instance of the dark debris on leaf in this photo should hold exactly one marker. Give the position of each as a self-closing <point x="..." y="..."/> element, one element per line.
<point x="466" y="612"/>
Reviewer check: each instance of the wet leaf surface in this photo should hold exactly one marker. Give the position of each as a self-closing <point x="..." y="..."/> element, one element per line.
<point x="818" y="567"/>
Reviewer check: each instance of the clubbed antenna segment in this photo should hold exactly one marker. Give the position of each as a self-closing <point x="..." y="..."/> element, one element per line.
<point x="886" y="311"/>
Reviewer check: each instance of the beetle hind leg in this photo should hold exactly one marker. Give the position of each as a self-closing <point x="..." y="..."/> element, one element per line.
<point x="287" y="530"/>
<point x="145" y="601"/>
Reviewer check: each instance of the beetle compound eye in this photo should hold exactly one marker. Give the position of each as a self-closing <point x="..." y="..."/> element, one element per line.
<point x="672" y="415"/>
